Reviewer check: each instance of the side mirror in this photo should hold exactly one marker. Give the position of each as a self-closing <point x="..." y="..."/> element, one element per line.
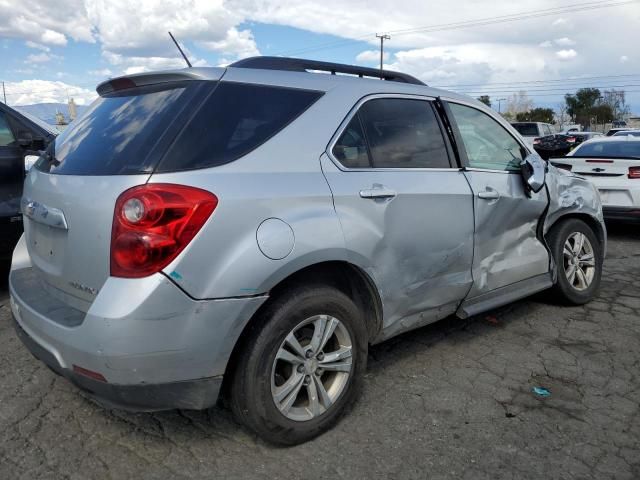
<point x="29" y="161"/>
<point x="534" y="171"/>
<point x="25" y="138"/>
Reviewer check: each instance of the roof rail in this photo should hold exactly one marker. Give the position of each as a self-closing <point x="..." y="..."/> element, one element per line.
<point x="302" y="65"/>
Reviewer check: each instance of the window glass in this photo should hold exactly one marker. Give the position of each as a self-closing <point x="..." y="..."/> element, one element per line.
<point x="526" y="129"/>
<point x="6" y="137"/>
<point x="487" y="143"/>
<point x="403" y="133"/>
<point x="547" y="130"/>
<point x="234" y="120"/>
<point x="118" y="133"/>
<point x="595" y="148"/>
<point x="351" y="147"/>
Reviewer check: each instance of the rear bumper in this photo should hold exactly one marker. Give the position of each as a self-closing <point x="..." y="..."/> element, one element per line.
<point x="156" y="347"/>
<point x="622" y="213"/>
<point x="193" y="394"/>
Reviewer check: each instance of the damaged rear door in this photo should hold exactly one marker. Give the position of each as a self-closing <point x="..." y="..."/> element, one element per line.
<point x="406" y="211"/>
<point x="507" y="249"/>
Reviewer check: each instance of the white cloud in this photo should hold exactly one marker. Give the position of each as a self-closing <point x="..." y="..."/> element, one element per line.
<point x="546" y="44"/>
<point x="238" y="43"/>
<point x="131" y="65"/>
<point x="45" y="22"/>
<point x="27" y="92"/>
<point x="370" y="56"/>
<point x="560" y="22"/>
<point x="624" y="59"/>
<point x="569" y="54"/>
<point x="54" y="38"/>
<point x="564" y="42"/>
<point x="37" y="46"/>
<point x="140" y="29"/>
<point x="103" y="72"/>
<point x="38" y="58"/>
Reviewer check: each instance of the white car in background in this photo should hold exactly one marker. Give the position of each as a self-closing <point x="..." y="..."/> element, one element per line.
<point x="532" y="130"/>
<point x="613" y="165"/>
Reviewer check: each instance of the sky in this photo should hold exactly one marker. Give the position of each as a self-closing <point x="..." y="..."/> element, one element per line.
<point x="50" y="51"/>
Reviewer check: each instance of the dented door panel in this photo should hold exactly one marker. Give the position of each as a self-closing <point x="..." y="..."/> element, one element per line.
<point x="507" y="247"/>
<point x="417" y="246"/>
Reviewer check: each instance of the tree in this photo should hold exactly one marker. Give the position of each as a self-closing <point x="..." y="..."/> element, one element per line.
<point x="544" y="115"/>
<point x="581" y="105"/>
<point x="518" y="103"/>
<point x="616" y="99"/>
<point x="486" y="99"/>
<point x="602" y="113"/>
<point x="562" y="114"/>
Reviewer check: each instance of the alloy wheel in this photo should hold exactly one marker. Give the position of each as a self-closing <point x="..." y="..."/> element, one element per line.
<point x="311" y="368"/>
<point x="579" y="261"/>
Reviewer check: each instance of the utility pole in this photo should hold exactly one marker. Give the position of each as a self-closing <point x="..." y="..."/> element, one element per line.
<point x="4" y="94"/>
<point x="500" y="100"/>
<point x="382" y="39"/>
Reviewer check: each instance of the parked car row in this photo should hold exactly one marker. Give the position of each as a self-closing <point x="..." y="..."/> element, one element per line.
<point x="249" y="231"/>
<point x="561" y="144"/>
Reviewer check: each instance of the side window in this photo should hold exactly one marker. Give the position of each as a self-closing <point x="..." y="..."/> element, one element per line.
<point x="487" y="143"/>
<point x="6" y="137"/>
<point x="403" y="133"/>
<point x="351" y="148"/>
<point x="547" y="130"/>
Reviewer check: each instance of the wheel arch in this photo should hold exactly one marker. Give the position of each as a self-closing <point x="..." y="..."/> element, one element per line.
<point x="591" y="221"/>
<point x="345" y="276"/>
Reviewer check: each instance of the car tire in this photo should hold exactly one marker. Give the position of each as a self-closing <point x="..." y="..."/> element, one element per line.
<point x="579" y="267"/>
<point x="266" y="369"/>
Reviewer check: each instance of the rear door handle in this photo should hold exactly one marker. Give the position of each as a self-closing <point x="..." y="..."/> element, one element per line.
<point x="489" y="194"/>
<point x="379" y="192"/>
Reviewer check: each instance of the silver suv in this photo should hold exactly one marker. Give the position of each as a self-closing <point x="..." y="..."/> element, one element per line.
<point x="250" y="231"/>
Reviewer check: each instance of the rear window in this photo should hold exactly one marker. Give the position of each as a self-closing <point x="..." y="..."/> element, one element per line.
<point x="119" y="133"/>
<point x="171" y="127"/>
<point x="526" y="129"/>
<point x="622" y="149"/>
<point x="234" y="120"/>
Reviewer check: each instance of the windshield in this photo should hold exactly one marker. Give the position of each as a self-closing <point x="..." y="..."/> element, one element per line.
<point x="622" y="149"/>
<point x="526" y="129"/>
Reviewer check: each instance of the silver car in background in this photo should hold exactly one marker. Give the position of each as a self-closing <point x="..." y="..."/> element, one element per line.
<point x="249" y="231"/>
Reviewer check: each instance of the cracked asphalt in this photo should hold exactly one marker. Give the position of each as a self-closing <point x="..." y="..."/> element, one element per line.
<point x="452" y="400"/>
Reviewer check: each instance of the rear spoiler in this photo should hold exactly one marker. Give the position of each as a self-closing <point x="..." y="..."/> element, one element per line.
<point x="154" y="78"/>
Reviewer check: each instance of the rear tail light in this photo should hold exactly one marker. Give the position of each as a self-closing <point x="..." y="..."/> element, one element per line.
<point x="634" y="172"/>
<point x="153" y="223"/>
<point x="536" y="141"/>
<point x="571" y="139"/>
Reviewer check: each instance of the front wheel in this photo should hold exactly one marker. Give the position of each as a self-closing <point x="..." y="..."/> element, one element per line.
<point x="301" y="366"/>
<point x="578" y="256"/>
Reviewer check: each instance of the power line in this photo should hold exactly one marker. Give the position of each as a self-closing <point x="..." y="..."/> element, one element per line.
<point x="581" y="7"/>
<point x="559" y="94"/>
<point x="563" y="80"/>
<point x="497" y="91"/>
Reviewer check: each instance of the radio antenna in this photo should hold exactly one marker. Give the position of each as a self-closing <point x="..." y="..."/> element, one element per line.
<point x="181" y="52"/>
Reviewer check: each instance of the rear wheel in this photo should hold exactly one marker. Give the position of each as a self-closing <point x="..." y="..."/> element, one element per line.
<point x="578" y="256"/>
<point x="301" y="366"/>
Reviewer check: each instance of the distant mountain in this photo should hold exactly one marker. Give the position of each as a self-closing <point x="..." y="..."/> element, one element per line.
<point x="47" y="111"/>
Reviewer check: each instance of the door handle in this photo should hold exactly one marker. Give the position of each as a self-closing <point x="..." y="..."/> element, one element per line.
<point x="489" y="194"/>
<point x="379" y="192"/>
